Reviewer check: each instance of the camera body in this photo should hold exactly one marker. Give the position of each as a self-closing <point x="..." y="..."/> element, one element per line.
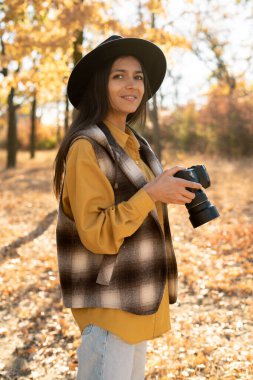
<point x="200" y="209"/>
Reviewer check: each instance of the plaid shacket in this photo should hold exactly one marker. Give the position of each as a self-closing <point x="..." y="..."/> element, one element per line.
<point x="133" y="279"/>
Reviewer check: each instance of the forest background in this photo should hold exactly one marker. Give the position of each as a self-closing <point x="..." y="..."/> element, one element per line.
<point x="203" y="114"/>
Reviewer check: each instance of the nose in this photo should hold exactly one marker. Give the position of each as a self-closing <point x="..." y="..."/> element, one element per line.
<point x="130" y="83"/>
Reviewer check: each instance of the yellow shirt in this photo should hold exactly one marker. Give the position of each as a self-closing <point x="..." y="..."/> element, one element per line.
<point x="88" y="198"/>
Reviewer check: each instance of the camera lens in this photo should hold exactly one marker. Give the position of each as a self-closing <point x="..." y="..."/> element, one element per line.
<point x="200" y="209"/>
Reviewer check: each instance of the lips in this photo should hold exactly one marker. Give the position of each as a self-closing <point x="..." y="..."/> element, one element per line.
<point x="130" y="98"/>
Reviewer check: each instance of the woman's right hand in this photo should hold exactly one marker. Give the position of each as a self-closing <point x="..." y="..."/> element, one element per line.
<point x="168" y="189"/>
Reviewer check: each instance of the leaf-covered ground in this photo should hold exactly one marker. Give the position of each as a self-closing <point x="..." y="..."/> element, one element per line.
<point x="212" y="333"/>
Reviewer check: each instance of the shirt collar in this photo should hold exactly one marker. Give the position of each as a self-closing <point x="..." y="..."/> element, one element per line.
<point x="122" y="137"/>
<point x="132" y="138"/>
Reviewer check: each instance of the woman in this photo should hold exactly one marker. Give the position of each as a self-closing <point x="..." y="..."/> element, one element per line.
<point x="116" y="261"/>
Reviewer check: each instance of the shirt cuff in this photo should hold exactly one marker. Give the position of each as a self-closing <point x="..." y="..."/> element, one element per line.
<point x="142" y="202"/>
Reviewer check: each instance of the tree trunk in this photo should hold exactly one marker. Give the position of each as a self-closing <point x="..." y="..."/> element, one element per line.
<point x="77" y="55"/>
<point x="58" y="126"/>
<point x="154" y="113"/>
<point x="12" y="131"/>
<point x="156" y="128"/>
<point x="66" y="118"/>
<point x="33" y="127"/>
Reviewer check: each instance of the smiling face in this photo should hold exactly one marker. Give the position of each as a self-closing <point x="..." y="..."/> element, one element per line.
<point x="125" y="87"/>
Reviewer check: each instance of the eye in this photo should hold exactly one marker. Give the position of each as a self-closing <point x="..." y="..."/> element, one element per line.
<point x="118" y="76"/>
<point x="139" y="77"/>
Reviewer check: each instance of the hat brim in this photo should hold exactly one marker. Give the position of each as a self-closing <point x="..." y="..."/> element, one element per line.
<point x="150" y="56"/>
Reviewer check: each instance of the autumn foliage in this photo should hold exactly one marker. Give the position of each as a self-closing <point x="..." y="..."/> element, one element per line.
<point x="223" y="126"/>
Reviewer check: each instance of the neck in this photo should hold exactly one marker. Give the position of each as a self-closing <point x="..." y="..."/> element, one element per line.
<point x="118" y="121"/>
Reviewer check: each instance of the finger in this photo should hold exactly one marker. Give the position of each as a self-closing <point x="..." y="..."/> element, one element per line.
<point x="183" y="200"/>
<point x="188" y="194"/>
<point x="178" y="202"/>
<point x="192" y="185"/>
<point x="188" y="200"/>
<point x="174" y="170"/>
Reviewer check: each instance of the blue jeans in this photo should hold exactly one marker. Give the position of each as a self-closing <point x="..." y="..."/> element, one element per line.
<point x="104" y="356"/>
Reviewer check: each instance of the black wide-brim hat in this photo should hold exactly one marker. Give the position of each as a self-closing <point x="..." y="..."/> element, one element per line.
<point x="149" y="54"/>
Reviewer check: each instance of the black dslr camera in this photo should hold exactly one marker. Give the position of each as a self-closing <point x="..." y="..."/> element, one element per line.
<point x="200" y="209"/>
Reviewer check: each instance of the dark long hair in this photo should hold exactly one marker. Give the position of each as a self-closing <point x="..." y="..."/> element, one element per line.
<point x="93" y="108"/>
